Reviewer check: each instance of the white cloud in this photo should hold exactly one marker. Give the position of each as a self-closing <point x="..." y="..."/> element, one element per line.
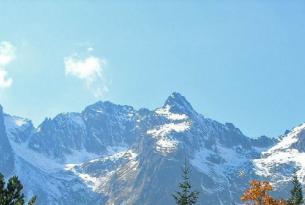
<point x="89" y="69"/>
<point x="7" y="55"/>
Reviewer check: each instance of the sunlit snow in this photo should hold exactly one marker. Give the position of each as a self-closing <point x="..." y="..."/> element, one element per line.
<point x="98" y="183"/>
<point x="172" y="116"/>
<point x="281" y="154"/>
<point x="12" y="123"/>
<point x="227" y="157"/>
<point x="165" y="143"/>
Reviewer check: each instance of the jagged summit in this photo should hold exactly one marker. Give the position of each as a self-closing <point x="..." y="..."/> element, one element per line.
<point x="298" y="141"/>
<point x="102" y="154"/>
<point x="177" y="103"/>
<point x="107" y="106"/>
<point x="286" y="156"/>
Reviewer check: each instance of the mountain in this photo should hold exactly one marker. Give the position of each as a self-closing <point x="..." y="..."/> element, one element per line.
<point x="6" y="152"/>
<point x="287" y="156"/>
<point x="117" y="155"/>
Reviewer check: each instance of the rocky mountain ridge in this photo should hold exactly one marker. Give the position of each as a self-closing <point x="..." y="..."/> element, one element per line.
<point x="114" y="154"/>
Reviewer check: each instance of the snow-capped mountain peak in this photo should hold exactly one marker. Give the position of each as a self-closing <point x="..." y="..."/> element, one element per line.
<point x="114" y="154"/>
<point x="291" y="139"/>
<point x="178" y="104"/>
<point x="285" y="157"/>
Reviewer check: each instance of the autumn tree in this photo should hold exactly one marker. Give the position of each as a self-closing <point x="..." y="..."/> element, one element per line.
<point x="258" y="194"/>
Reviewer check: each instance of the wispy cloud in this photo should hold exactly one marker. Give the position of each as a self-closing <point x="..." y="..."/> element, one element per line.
<point x="7" y="55"/>
<point x="90" y="69"/>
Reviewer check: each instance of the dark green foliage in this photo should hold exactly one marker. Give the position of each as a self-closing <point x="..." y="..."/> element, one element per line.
<point x="11" y="193"/>
<point x="32" y="201"/>
<point x="186" y="196"/>
<point x="2" y="184"/>
<point x="296" y="195"/>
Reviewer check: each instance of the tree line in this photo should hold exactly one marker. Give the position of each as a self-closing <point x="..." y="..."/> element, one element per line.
<point x="256" y="194"/>
<point x="11" y="193"/>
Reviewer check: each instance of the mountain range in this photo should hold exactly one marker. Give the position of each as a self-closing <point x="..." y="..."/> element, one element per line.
<point x="117" y="155"/>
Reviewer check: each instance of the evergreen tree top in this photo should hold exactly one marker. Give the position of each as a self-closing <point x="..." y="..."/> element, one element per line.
<point x="12" y="192"/>
<point x="296" y="193"/>
<point x="186" y="196"/>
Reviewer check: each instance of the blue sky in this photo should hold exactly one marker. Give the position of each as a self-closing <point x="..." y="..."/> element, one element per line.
<point x="235" y="61"/>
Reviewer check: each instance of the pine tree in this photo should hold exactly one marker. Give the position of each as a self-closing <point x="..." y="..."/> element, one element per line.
<point x="296" y="194"/>
<point x="12" y="192"/>
<point x="32" y="201"/>
<point x="2" y="191"/>
<point x="185" y="196"/>
<point x="14" y="195"/>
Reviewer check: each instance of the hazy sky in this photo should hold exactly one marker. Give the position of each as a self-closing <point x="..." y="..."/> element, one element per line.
<point x="235" y="61"/>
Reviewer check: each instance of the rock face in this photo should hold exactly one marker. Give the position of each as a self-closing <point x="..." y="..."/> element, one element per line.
<point x="113" y="154"/>
<point x="287" y="156"/>
<point x="6" y="152"/>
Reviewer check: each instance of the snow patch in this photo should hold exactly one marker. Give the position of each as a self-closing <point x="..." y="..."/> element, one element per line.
<point x="79" y="156"/>
<point x="115" y="149"/>
<point x="218" y="162"/>
<point x="165" y="143"/>
<point x="20" y="122"/>
<point x="164" y="130"/>
<point x="13" y="123"/>
<point x="282" y="154"/>
<point x="36" y="159"/>
<point x="289" y="139"/>
<point x="99" y="183"/>
<point x="165" y="111"/>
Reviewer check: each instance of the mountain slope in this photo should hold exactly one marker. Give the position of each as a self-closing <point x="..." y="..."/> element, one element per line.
<point x="287" y="156"/>
<point x="6" y="152"/>
<point x="114" y="154"/>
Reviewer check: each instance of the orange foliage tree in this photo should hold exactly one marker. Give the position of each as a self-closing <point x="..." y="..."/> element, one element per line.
<point x="258" y="194"/>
